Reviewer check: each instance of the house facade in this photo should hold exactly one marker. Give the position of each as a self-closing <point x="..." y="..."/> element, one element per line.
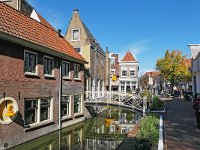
<point x="79" y="36"/>
<point x="195" y="67"/>
<point x="114" y="72"/>
<point x="128" y="76"/>
<point x="153" y="81"/>
<point x="42" y="78"/>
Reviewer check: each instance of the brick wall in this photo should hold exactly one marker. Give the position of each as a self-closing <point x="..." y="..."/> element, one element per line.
<point x="15" y="84"/>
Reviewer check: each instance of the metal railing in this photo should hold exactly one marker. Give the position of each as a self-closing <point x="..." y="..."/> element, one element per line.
<point x="114" y="98"/>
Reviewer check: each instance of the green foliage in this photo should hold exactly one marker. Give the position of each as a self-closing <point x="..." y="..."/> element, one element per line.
<point x="129" y="91"/>
<point x="144" y="81"/>
<point x="139" y="144"/>
<point x="173" y="67"/>
<point x="146" y="94"/>
<point x="149" y="129"/>
<point x="156" y="104"/>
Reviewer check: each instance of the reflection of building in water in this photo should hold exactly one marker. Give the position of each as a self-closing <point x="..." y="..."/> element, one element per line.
<point x="97" y="144"/>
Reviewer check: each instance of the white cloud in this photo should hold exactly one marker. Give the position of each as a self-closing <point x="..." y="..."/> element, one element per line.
<point x="136" y="47"/>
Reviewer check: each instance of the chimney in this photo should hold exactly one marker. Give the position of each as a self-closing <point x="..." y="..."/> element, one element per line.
<point x="107" y="50"/>
<point x="59" y="33"/>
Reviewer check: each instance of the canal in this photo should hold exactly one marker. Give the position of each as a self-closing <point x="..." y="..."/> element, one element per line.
<point x="106" y="131"/>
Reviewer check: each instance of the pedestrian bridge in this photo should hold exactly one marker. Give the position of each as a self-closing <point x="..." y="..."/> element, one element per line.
<point x="107" y="98"/>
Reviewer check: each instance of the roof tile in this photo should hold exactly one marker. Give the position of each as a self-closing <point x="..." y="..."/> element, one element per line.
<point x="17" y="24"/>
<point x="128" y="57"/>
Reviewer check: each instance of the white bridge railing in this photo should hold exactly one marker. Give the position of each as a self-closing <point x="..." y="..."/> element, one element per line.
<point x="114" y="98"/>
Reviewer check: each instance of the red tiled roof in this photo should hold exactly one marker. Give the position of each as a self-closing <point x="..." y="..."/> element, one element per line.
<point x="188" y="62"/>
<point x="128" y="57"/>
<point x="15" y="23"/>
<point x="152" y="73"/>
<point x="44" y="22"/>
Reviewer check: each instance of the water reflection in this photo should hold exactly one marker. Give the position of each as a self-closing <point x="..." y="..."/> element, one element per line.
<point x="106" y="131"/>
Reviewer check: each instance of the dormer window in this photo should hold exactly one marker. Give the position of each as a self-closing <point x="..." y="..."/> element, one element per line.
<point x="78" y="49"/>
<point x="75" y="35"/>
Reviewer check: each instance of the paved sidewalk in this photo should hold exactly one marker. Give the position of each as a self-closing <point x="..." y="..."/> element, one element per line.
<point x="180" y="129"/>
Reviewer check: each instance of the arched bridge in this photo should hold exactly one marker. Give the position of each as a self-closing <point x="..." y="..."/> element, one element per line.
<point x="124" y="100"/>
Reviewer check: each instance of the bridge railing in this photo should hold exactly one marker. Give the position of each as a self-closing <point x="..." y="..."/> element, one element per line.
<point x="110" y="97"/>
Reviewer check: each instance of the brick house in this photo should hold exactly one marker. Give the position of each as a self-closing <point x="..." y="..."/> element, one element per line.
<point x="128" y="76"/>
<point x="79" y="36"/>
<point x="114" y="72"/>
<point x="40" y="73"/>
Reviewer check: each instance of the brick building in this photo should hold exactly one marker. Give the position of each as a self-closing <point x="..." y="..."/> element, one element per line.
<point x="40" y="74"/>
<point x="79" y="36"/>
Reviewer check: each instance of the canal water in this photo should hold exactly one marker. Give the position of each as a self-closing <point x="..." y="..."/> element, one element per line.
<point x="104" y="132"/>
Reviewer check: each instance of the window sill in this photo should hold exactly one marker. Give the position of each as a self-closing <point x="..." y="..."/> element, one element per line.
<point x="75" y="40"/>
<point x="66" y="78"/>
<point x="49" y="76"/>
<point x="77" y="79"/>
<point x="37" y="125"/>
<point x="78" y="114"/>
<point x="31" y="74"/>
<point x="66" y="118"/>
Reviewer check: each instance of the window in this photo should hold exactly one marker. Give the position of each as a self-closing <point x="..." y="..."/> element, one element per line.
<point x="65" y="105"/>
<point x="66" y="69"/>
<point x="75" y="34"/>
<point x="31" y="108"/>
<point x="77" y="103"/>
<point x="124" y="73"/>
<point x="122" y="86"/>
<point x="76" y="71"/>
<point x="132" y="73"/>
<point x="44" y="109"/>
<point x="30" y="63"/>
<point x="48" y="65"/>
<point x="78" y="49"/>
<point x="37" y="110"/>
<point x="113" y="71"/>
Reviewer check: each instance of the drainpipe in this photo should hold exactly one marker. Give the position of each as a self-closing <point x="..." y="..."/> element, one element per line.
<point x="60" y="95"/>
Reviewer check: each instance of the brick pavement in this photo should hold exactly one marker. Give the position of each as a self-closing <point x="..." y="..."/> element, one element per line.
<point x="180" y="129"/>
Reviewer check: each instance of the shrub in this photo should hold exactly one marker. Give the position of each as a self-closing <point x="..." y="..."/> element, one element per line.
<point x="156" y="104"/>
<point x="149" y="129"/>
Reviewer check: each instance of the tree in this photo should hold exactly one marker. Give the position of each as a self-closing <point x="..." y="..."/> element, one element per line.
<point x="173" y="67"/>
<point x="144" y="81"/>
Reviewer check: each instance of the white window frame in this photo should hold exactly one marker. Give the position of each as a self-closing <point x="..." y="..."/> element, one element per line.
<point x="36" y="66"/>
<point x="130" y="72"/>
<point x="38" y="122"/>
<point x="126" y="72"/>
<point x="72" y="35"/>
<point x="80" y="105"/>
<point x="70" y="102"/>
<point x="78" y="72"/>
<point x="65" y="77"/>
<point x="49" y="75"/>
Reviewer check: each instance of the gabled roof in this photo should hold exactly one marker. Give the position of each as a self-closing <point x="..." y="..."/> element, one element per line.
<point x="87" y="31"/>
<point x="188" y="62"/>
<point x="151" y="73"/>
<point x="128" y="57"/>
<point x="16" y="24"/>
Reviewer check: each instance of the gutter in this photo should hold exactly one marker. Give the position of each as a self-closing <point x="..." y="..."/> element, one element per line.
<point x="23" y="42"/>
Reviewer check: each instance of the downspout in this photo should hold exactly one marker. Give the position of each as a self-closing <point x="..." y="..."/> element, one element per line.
<point x="60" y="95"/>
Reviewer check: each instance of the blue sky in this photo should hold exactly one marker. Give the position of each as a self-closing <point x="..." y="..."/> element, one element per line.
<point x="146" y="27"/>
